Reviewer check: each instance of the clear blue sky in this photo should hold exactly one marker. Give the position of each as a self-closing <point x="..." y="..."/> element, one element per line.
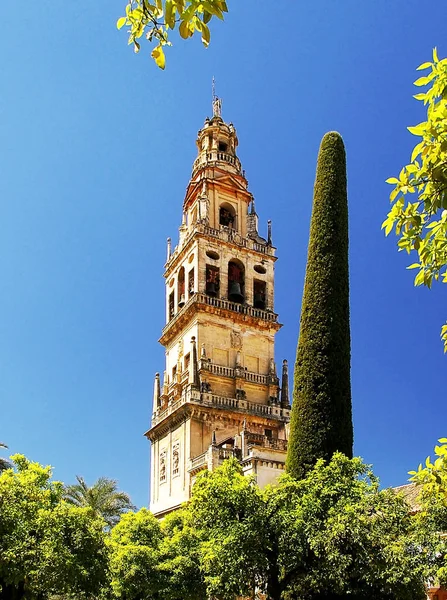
<point x="96" y="151"/>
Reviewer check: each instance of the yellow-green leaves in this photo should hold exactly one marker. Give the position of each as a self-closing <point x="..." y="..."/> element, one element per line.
<point x="159" y="56"/>
<point x="444" y="336"/>
<point x="121" y="22"/>
<point x="155" y="18"/>
<point x="421" y="226"/>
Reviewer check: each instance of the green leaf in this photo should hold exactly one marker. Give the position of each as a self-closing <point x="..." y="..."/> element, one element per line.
<point x="184" y="30"/>
<point x="422" y="81"/>
<point x="424" y="65"/>
<point x="159" y="56"/>
<point x="121" y="22"/>
<point x="418" y="129"/>
<point x="414" y="266"/>
<point x="205" y="34"/>
<point x="170" y="14"/>
<point x="419" y="279"/>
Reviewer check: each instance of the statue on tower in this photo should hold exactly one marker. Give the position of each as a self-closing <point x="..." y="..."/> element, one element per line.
<point x="217" y="107"/>
<point x="217" y="102"/>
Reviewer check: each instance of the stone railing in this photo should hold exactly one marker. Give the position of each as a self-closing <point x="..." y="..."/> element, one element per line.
<point x="236" y="307"/>
<point x="215" y="156"/>
<point x="206" y="365"/>
<point x="254" y="439"/>
<point x="194" y="397"/>
<point x="225" y="234"/>
<point x="198" y="461"/>
<point x="244" y="309"/>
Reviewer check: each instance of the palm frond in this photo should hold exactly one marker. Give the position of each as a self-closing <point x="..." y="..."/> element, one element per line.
<point x="103" y="497"/>
<point x="4" y="462"/>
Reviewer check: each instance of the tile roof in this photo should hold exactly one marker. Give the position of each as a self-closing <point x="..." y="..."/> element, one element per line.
<point x="410" y="492"/>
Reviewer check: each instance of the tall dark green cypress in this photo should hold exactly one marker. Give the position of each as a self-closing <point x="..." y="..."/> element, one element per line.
<point x="321" y="420"/>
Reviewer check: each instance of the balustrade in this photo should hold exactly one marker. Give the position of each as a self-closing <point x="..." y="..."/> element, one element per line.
<point x="224" y="402"/>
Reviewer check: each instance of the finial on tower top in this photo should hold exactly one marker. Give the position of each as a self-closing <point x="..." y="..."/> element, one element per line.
<point x="217" y="102"/>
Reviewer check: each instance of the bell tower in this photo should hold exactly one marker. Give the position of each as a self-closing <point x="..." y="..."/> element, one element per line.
<point x="220" y="395"/>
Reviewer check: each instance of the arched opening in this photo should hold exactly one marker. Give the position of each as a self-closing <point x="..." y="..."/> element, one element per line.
<point x="181" y="287"/>
<point x="212" y="281"/>
<point x="171" y="305"/>
<point x="259" y="295"/>
<point x="227" y="215"/>
<point x="236" y="281"/>
<point x="191" y="288"/>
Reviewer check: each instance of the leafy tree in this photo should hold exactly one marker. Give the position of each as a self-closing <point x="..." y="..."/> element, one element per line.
<point x="4" y="462"/>
<point x="134" y="546"/>
<point x="103" y="497"/>
<point x="321" y="419"/>
<point x="156" y="18"/>
<point x="227" y="510"/>
<point x="421" y="226"/>
<point x="339" y="536"/>
<point x="180" y="558"/>
<point x="46" y="546"/>
<point x="333" y="534"/>
<point x="153" y="560"/>
<point x="431" y="480"/>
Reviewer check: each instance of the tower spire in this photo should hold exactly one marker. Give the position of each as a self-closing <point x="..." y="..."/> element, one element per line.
<point x="217" y="102"/>
<point x="285" y="400"/>
<point x="157" y="391"/>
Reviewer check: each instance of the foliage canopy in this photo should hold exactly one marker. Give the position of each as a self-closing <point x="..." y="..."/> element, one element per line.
<point x="421" y="226"/>
<point x="103" y="497"/>
<point x="155" y="19"/>
<point x="431" y="479"/>
<point x="46" y="546"/>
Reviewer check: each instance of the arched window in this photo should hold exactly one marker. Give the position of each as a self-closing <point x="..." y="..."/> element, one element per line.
<point x="181" y="287"/>
<point x="191" y="283"/>
<point x="259" y="295"/>
<point x="236" y="281"/>
<point x="171" y="305"/>
<point x="227" y="215"/>
<point x="212" y="281"/>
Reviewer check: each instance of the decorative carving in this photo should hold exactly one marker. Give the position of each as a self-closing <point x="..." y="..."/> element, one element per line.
<point x="241" y="395"/>
<point x="175" y="459"/>
<point x="162" y="463"/>
<point x="236" y="340"/>
<point x="180" y="347"/>
<point x="205" y="387"/>
<point x="217" y="107"/>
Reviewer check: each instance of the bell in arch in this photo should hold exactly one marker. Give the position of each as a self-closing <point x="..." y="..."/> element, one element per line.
<point x="235" y="292"/>
<point x="211" y="289"/>
<point x="181" y="302"/>
<point x="259" y="301"/>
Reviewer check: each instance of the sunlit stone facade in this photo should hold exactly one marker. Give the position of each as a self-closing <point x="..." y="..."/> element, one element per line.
<point x="220" y="395"/>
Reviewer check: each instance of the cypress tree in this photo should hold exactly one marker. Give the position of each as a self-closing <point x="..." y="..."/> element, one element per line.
<point x="321" y="418"/>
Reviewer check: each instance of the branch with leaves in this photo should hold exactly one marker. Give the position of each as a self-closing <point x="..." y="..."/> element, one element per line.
<point x="157" y="18"/>
<point x="422" y="225"/>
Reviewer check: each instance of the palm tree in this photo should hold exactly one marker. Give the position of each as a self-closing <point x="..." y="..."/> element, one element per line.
<point x="4" y="462"/>
<point x="103" y="497"/>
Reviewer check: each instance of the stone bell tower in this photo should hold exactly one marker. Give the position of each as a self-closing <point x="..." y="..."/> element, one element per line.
<point x="220" y="395"/>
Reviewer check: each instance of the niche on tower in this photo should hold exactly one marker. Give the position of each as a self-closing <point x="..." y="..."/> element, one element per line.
<point x="227" y="215"/>
<point x="181" y="287"/>
<point x="236" y="281"/>
<point x="171" y="305"/>
<point x="259" y="295"/>
<point x="191" y="289"/>
<point x="212" y="281"/>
